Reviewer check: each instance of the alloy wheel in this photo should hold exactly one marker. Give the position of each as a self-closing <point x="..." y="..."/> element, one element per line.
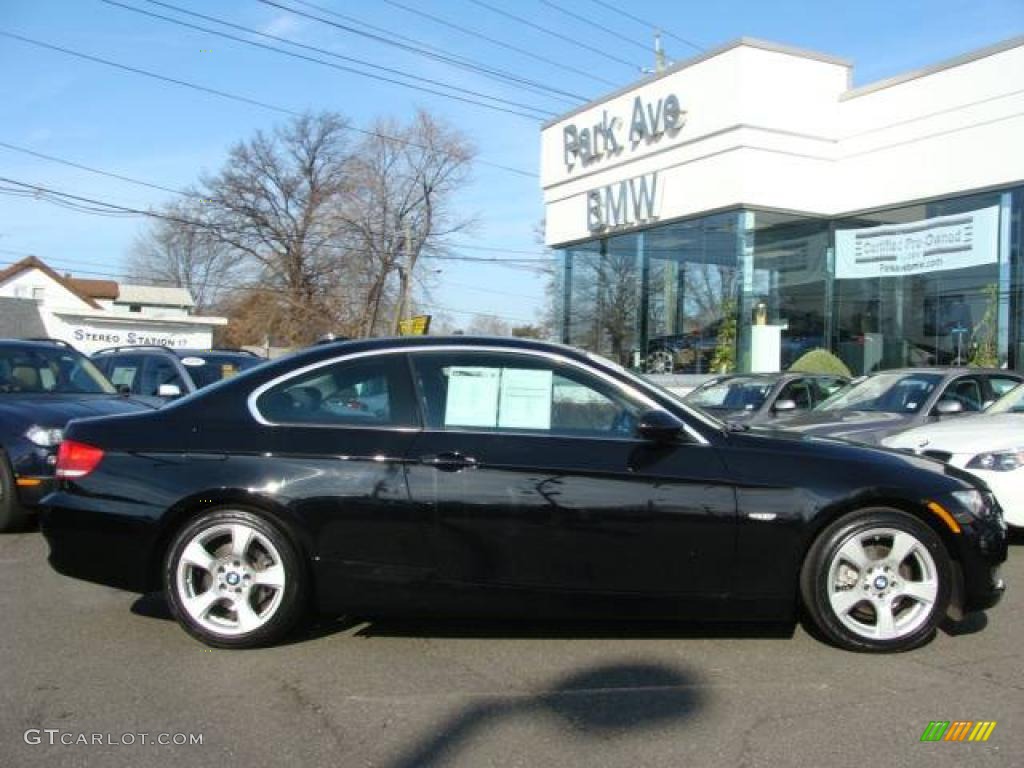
<point x="230" y="579"/>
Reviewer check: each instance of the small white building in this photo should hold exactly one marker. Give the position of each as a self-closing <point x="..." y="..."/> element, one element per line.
<point x="94" y="314"/>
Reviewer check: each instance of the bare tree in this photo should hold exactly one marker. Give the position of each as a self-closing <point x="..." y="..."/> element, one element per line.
<point x="178" y="253"/>
<point x="400" y="208"/>
<point x="488" y="325"/>
<point x="275" y="203"/>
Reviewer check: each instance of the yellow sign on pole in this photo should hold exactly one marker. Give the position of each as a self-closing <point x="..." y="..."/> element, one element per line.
<point x="414" y="326"/>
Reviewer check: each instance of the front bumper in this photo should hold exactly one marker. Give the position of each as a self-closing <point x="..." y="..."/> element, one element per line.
<point x="982" y="548"/>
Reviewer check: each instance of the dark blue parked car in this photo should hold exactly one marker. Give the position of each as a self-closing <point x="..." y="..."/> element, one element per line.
<point x="43" y="385"/>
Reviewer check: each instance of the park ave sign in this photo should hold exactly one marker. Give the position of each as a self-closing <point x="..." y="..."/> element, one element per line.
<point x="631" y="201"/>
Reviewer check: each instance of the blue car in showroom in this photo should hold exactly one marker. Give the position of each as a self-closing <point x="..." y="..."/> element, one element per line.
<point x="43" y="385"/>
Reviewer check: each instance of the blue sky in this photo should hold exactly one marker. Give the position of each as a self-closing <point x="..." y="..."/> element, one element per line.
<point x="127" y="124"/>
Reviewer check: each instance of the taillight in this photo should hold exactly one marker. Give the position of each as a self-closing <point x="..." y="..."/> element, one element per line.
<point x="77" y="459"/>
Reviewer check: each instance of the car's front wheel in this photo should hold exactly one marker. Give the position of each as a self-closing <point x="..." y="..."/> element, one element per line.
<point x="12" y="515"/>
<point x="877" y="580"/>
<point x="234" y="580"/>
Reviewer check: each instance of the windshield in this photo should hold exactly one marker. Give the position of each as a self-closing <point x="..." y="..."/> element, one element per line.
<point x="886" y="393"/>
<point x="1011" y="402"/>
<point x="739" y="394"/>
<point x="46" y="369"/>
<point x="208" y="368"/>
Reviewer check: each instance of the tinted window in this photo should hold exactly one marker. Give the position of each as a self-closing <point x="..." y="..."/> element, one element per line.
<point x="1002" y="384"/>
<point x="208" y="368"/>
<point x="157" y="371"/>
<point x="123" y="370"/>
<point x="965" y="391"/>
<point x="887" y="392"/>
<point x="49" y="369"/>
<point x="799" y="392"/>
<point x="368" y="392"/>
<point x="734" y="394"/>
<point x="519" y="393"/>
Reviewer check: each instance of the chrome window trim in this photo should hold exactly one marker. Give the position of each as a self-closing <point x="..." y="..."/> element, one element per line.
<point x="631" y="391"/>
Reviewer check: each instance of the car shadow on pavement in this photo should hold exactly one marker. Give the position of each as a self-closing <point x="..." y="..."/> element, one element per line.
<point x="154" y="606"/>
<point x="570" y="629"/>
<point x="600" y="702"/>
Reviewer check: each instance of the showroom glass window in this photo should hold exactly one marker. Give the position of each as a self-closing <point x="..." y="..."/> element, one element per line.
<point x="514" y="393"/>
<point x="932" y="290"/>
<point x="366" y="392"/>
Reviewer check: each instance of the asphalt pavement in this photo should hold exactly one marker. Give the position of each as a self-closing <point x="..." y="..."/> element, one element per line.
<point x="84" y="662"/>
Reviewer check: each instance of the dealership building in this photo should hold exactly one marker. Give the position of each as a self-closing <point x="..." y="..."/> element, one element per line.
<point x="744" y="206"/>
<point x="37" y="301"/>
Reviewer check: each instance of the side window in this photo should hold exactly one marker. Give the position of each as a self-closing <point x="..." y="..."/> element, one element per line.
<point x="966" y="391"/>
<point x="158" y="370"/>
<point x="799" y="392"/>
<point x="1001" y="384"/>
<point x="519" y="393"/>
<point x="368" y="392"/>
<point x="123" y="371"/>
<point x="824" y="387"/>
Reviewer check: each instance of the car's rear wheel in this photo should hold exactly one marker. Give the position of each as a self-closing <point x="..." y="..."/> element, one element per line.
<point x="877" y="580"/>
<point x="13" y="516"/>
<point x="234" y="580"/>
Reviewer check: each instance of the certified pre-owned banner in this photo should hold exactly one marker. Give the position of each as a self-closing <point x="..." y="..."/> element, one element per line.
<point x="933" y="245"/>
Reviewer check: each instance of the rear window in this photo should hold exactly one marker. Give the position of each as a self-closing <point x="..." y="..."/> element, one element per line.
<point x="207" y="369"/>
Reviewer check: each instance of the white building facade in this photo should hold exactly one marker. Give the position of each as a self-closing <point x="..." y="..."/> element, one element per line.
<point x="96" y="314"/>
<point x="747" y="205"/>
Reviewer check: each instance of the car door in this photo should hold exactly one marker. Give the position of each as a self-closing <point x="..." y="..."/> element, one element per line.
<point x="335" y="438"/>
<point x="538" y="480"/>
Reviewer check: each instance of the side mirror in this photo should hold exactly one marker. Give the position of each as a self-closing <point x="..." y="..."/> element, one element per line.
<point x="949" y="407"/>
<point x="659" y="426"/>
<point x="168" y="390"/>
<point x="784" y="406"/>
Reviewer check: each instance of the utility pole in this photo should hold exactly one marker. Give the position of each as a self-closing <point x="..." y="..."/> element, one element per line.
<point x="403" y="278"/>
<point x="659" y="53"/>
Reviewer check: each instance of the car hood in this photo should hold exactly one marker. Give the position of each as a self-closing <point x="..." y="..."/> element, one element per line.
<point x="866" y="426"/>
<point x="54" y="411"/>
<point x="967" y="434"/>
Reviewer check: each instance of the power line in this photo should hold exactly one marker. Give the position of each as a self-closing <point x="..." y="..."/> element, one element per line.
<point x="233" y="97"/>
<point x="500" y="43"/>
<point x="439" y="54"/>
<point x="279" y="291"/>
<point x="647" y="24"/>
<point x="341" y="67"/>
<point x="103" y="207"/>
<point x="552" y="33"/>
<point x="595" y="25"/>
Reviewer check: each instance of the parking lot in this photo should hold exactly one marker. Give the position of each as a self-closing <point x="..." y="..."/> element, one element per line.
<point x="85" y="659"/>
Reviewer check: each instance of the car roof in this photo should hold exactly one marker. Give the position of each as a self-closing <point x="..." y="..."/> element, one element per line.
<point x="37" y="343"/>
<point x="946" y="370"/>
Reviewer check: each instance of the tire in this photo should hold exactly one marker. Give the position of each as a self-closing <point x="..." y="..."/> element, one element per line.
<point x="660" y="361"/>
<point x="13" y="516"/>
<point x="233" y="579"/>
<point x="877" y="580"/>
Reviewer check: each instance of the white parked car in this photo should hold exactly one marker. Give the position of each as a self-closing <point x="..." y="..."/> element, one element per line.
<point x="989" y="445"/>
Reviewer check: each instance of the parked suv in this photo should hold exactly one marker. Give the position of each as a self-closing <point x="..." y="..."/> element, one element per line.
<point x="169" y="373"/>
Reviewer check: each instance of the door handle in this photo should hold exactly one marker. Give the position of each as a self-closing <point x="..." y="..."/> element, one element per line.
<point x="449" y="461"/>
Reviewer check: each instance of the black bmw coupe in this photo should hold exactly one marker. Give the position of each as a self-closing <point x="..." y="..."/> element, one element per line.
<point x="506" y="477"/>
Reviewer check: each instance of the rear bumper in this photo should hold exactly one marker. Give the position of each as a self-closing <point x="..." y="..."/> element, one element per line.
<point x="89" y="543"/>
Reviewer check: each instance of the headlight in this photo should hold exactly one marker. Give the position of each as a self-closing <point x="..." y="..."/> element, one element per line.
<point x="975" y="502"/>
<point x="45" y="437"/>
<point x="998" y="461"/>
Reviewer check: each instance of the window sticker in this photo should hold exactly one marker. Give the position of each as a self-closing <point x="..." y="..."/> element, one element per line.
<point x="472" y="397"/>
<point x="227" y="370"/>
<point x="525" y="401"/>
<point x="193" y="362"/>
